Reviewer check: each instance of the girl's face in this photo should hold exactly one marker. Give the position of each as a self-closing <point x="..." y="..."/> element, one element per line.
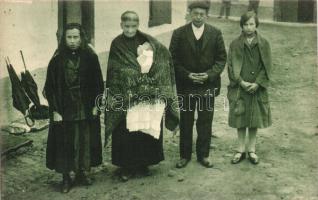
<point x="73" y="39"/>
<point x="249" y="27"/>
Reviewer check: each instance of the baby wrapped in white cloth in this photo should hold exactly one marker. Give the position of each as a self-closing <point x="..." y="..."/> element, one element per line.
<point x="145" y="117"/>
<point x="145" y="57"/>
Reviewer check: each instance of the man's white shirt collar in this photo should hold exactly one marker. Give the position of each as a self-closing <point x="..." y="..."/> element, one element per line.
<point x="197" y="31"/>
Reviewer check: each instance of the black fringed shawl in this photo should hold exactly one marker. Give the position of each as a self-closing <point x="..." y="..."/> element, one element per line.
<point x="124" y="79"/>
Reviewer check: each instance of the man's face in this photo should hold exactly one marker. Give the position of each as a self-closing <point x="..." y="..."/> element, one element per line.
<point x="249" y="27"/>
<point x="73" y="39"/>
<point x="130" y="28"/>
<point x="198" y="16"/>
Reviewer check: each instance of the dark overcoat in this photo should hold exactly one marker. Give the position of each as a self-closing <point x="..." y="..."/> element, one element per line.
<point x="259" y="106"/>
<point x="212" y="58"/>
<point x="59" y="144"/>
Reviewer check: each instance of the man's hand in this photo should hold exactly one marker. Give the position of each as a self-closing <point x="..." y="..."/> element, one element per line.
<point x="57" y="117"/>
<point x="202" y="76"/>
<point x="253" y="88"/>
<point x="198" y="78"/>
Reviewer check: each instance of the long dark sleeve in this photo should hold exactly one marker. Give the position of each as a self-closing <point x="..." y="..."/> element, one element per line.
<point x="99" y="82"/>
<point x="174" y="50"/>
<point x="233" y="80"/>
<point x="113" y="73"/>
<point x="220" y="59"/>
<point x="96" y="83"/>
<point x="49" y="87"/>
<point x="262" y="79"/>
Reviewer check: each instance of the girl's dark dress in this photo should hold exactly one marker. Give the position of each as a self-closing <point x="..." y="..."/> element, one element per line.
<point x="257" y="112"/>
<point x="75" y="143"/>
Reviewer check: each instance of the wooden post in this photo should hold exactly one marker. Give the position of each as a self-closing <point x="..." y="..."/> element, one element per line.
<point x="60" y="20"/>
<point x="81" y="12"/>
<point x="88" y="19"/>
<point x="160" y="12"/>
<point x="286" y="10"/>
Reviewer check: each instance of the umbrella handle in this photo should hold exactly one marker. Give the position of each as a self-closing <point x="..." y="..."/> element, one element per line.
<point x="23" y="60"/>
<point x="29" y="122"/>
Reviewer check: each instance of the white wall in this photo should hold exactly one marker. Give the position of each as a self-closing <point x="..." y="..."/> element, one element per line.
<point x="31" y="27"/>
<point x="107" y="19"/>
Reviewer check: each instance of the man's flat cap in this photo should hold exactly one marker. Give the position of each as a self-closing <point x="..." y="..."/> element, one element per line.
<point x="199" y="4"/>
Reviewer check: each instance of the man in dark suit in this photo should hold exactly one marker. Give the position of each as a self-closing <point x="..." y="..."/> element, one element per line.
<point x="199" y="57"/>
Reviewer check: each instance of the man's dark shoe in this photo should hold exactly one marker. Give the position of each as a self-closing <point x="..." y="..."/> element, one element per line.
<point x="182" y="163"/>
<point x="206" y="162"/>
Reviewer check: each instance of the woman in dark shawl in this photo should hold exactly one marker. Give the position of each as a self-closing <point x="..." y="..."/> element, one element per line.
<point x="73" y="82"/>
<point x="136" y="150"/>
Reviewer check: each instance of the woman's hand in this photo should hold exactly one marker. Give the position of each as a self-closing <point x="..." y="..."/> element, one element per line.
<point x="177" y="129"/>
<point x="253" y="88"/>
<point x="245" y="85"/>
<point x="57" y="117"/>
<point x="95" y="111"/>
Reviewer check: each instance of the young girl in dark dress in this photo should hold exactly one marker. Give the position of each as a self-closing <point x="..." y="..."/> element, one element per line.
<point x="249" y="70"/>
<point x="73" y="82"/>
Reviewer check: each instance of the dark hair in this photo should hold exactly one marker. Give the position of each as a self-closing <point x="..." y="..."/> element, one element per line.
<point x="125" y="17"/>
<point x="247" y="16"/>
<point x="84" y="42"/>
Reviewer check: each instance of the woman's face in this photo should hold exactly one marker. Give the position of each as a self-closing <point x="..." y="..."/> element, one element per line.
<point x="249" y="27"/>
<point x="73" y="39"/>
<point x="130" y="28"/>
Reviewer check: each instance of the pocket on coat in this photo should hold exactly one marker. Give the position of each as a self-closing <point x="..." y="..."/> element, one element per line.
<point x="232" y="93"/>
<point x="263" y="109"/>
<point x="263" y="96"/>
<point x="239" y="107"/>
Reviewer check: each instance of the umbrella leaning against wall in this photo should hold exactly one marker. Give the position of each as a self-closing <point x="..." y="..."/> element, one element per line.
<point x="20" y="100"/>
<point x="37" y="111"/>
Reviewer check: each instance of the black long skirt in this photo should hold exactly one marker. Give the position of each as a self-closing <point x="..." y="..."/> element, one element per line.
<point x="134" y="149"/>
<point x="74" y="145"/>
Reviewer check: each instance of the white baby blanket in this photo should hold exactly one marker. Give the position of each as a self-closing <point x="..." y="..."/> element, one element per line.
<point x="146" y="118"/>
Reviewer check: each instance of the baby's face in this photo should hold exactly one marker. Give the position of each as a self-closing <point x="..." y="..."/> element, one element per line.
<point x="144" y="47"/>
<point x="147" y="46"/>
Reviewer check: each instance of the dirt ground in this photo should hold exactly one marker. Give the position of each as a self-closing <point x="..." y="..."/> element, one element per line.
<point x="288" y="150"/>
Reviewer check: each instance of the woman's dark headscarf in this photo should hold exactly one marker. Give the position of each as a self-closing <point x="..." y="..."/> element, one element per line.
<point x="84" y="43"/>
